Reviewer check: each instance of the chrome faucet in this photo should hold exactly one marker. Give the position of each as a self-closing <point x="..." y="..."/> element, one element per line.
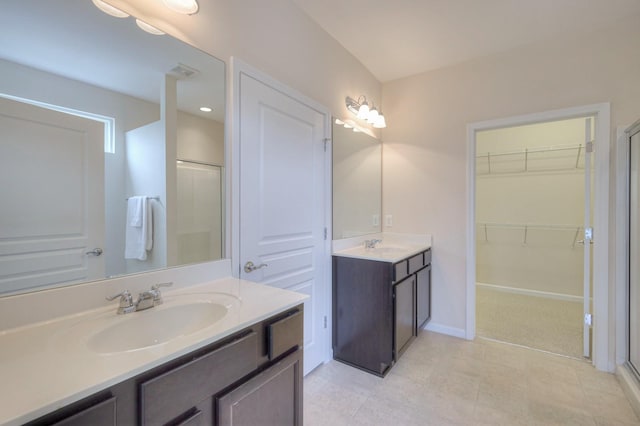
<point x="146" y="299"/>
<point x="371" y="244"/>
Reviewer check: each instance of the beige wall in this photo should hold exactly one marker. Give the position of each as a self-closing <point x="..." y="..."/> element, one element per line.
<point x="273" y="36"/>
<point x="424" y="151"/>
<point x="200" y="140"/>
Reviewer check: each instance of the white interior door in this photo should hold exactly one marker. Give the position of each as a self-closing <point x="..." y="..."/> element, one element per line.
<point x="588" y="240"/>
<point x="52" y="173"/>
<point x="282" y="201"/>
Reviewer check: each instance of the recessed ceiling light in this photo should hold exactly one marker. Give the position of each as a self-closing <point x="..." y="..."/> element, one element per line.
<point x="205" y="109"/>
<point x="186" y="7"/>
<point x="110" y="10"/>
<point x="148" y="28"/>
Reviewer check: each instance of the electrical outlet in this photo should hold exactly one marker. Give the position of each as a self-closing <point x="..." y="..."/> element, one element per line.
<point x="388" y="221"/>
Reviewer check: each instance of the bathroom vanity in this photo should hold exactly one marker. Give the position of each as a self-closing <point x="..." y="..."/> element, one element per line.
<point x="381" y="299"/>
<point x="243" y="368"/>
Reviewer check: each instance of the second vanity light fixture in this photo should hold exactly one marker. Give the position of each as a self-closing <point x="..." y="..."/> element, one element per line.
<point x="186" y="7"/>
<point x="362" y="110"/>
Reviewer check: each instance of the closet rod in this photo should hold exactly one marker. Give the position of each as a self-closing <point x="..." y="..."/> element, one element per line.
<point x="151" y="198"/>
<point x="527" y="151"/>
<point x="529" y="226"/>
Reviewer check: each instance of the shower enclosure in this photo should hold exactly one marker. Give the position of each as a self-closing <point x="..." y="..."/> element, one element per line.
<point x="199" y="212"/>
<point x="634" y="247"/>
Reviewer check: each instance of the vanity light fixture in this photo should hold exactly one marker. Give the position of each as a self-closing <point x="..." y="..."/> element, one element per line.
<point x="361" y="109"/>
<point x="148" y="28"/>
<point x="186" y="7"/>
<point x="110" y="10"/>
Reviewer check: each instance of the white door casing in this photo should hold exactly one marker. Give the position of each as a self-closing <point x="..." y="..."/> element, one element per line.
<point x="52" y="192"/>
<point x="283" y="199"/>
<point x="587" y="241"/>
<point x="602" y="357"/>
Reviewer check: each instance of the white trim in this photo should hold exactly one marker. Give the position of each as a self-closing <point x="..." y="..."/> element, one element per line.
<point x="602" y="340"/>
<point x="622" y="246"/>
<point x="109" y="122"/>
<point x="238" y="67"/>
<point x="530" y="292"/>
<point x="445" y="329"/>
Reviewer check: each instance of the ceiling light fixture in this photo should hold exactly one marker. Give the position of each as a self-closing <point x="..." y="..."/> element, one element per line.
<point x="186" y="7"/>
<point x="205" y="109"/>
<point x="361" y="109"/>
<point x="148" y="28"/>
<point x="110" y="10"/>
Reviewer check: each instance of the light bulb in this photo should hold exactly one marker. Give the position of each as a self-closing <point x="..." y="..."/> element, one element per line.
<point x="380" y="123"/>
<point x="372" y="116"/>
<point x="148" y="28"/>
<point x="110" y="10"/>
<point x="363" y="112"/>
<point x="186" y="7"/>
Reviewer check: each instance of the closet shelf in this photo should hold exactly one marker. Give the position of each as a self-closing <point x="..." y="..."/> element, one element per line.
<point x="525" y="228"/>
<point x="491" y="161"/>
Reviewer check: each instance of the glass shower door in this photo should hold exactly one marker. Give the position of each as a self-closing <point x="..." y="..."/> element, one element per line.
<point x="634" y="246"/>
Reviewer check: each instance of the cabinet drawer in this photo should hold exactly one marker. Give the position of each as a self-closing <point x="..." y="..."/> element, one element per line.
<point x="172" y="393"/>
<point x="284" y="334"/>
<point x="416" y="262"/>
<point x="400" y="270"/>
<point x="102" y="414"/>
<point x="427" y="257"/>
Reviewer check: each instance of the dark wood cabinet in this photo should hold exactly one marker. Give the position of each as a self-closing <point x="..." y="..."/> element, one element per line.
<point x="404" y="314"/>
<point x="378" y="308"/>
<point x="255" y="372"/>
<point x="100" y="414"/>
<point x="423" y="296"/>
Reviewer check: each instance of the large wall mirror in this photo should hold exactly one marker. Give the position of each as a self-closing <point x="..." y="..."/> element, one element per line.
<point x="357" y="182"/>
<point x="108" y="165"/>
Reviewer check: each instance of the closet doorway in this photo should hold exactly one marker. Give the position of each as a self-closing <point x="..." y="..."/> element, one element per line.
<point x="533" y="205"/>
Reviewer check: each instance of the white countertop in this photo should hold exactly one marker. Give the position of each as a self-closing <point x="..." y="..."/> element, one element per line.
<point x="393" y="248"/>
<point x="48" y="365"/>
<point x="383" y="253"/>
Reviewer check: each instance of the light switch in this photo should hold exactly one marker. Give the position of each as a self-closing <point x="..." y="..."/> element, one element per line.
<point x="388" y="220"/>
<point x="376" y="220"/>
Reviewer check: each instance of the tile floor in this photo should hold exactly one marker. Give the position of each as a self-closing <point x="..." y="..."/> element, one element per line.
<point x="442" y="380"/>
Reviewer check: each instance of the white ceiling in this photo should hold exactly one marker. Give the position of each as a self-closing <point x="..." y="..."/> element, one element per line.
<point x="398" y="38"/>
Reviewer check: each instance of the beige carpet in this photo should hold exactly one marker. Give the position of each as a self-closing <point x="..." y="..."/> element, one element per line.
<point x="536" y="322"/>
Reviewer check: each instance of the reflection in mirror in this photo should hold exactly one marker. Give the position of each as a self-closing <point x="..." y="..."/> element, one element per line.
<point x="357" y="183"/>
<point x="108" y="166"/>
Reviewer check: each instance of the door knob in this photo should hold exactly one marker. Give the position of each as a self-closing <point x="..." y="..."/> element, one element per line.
<point x="94" y="252"/>
<point x="250" y="267"/>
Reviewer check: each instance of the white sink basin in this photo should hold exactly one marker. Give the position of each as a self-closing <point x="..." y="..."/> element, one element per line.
<point x="388" y="250"/>
<point x="155" y="326"/>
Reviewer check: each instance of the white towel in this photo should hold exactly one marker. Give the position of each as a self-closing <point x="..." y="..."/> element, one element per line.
<point x="139" y="228"/>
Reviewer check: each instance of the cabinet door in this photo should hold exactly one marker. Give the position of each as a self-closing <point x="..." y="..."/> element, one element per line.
<point x="274" y="397"/>
<point x="405" y="315"/>
<point x="423" y="296"/>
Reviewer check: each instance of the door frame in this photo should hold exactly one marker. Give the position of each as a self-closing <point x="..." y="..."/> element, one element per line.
<point x="237" y="68"/>
<point x="602" y="357"/>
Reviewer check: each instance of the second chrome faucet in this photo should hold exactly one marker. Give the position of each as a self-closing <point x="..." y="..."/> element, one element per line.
<point x="146" y="299"/>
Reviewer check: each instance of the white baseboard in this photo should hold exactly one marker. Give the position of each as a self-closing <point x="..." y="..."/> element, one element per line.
<point x="445" y="329"/>
<point x="629" y="386"/>
<point x="529" y="292"/>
